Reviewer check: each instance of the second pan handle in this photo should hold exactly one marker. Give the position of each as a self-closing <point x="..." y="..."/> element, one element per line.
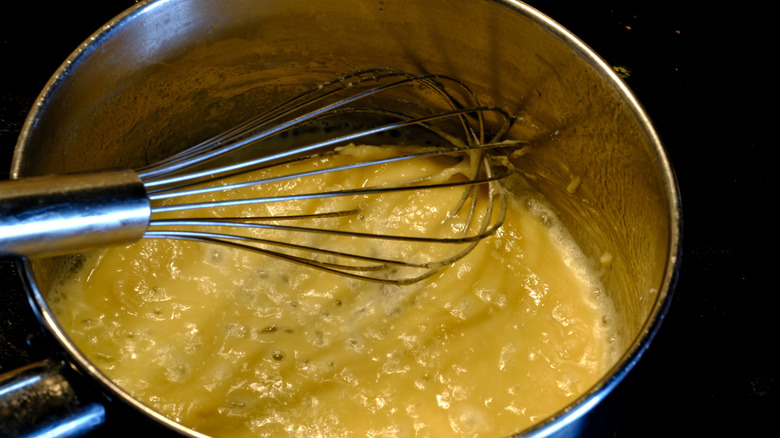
<point x="38" y="400"/>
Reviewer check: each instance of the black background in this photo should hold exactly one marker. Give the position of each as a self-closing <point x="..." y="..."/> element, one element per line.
<point x="711" y="370"/>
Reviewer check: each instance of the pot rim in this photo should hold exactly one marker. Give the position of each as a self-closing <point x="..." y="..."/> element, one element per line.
<point x="551" y="425"/>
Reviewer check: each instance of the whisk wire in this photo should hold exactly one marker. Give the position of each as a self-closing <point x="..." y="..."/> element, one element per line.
<point x="268" y="124"/>
<point x="183" y="176"/>
<point x="255" y="164"/>
<point x="179" y="190"/>
<point x="353" y="265"/>
<point x="254" y="129"/>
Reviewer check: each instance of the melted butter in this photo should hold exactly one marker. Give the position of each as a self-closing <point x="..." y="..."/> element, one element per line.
<point x="232" y="343"/>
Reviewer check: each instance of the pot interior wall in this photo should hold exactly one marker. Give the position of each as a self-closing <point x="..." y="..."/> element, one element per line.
<point x="173" y="73"/>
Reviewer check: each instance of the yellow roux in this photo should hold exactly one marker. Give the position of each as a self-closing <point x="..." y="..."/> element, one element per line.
<point x="238" y="344"/>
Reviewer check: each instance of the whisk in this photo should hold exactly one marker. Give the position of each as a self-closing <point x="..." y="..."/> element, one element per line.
<point x="426" y="116"/>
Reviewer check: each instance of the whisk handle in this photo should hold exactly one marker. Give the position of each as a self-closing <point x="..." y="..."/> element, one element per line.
<point x="62" y="214"/>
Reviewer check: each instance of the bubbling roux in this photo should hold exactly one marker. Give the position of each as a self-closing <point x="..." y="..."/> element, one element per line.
<point x="232" y="343"/>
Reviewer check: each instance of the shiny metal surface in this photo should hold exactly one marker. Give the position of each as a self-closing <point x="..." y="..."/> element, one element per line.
<point x="39" y="401"/>
<point x="56" y="215"/>
<point x="168" y="73"/>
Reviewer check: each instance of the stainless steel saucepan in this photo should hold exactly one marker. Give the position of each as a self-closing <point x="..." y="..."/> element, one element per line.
<point x="169" y="72"/>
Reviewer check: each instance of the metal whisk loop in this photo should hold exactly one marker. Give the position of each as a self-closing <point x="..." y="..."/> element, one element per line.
<point x="182" y="190"/>
<point x="313" y="106"/>
<point x="273" y="122"/>
<point x="388" y="270"/>
<point x="447" y="112"/>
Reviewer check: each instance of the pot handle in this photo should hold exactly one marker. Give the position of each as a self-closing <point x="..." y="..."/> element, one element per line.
<point x="38" y="400"/>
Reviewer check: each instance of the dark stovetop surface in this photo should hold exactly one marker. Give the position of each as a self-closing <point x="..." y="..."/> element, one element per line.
<point x="711" y="369"/>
